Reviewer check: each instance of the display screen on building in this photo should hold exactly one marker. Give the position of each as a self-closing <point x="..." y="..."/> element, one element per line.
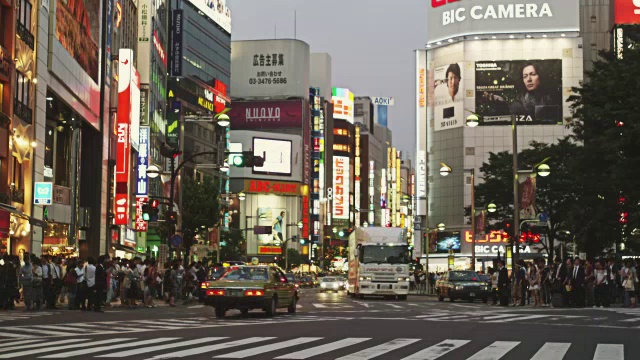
<point x="531" y="90"/>
<point x="447" y="240"/>
<point x="277" y="156"/>
<point x="627" y="12"/>
<point x="448" y="19"/>
<point x="78" y="30"/>
<point x="449" y="96"/>
<point x="256" y="115"/>
<point x="215" y="10"/>
<point x="341" y="187"/>
<point x="342" y="100"/>
<point x="127" y="86"/>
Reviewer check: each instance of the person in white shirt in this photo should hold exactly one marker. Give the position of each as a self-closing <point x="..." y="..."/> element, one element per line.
<point x="81" y="289"/>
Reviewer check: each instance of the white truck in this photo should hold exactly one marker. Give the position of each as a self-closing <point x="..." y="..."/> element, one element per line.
<point x="379" y="263"/>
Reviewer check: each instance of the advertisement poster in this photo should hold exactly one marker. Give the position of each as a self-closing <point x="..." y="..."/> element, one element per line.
<point x="272" y="218"/>
<point x="447" y="240"/>
<point x="78" y="30"/>
<point x="529" y="90"/>
<point x="527" y="190"/>
<point x="258" y="115"/>
<point x="627" y="12"/>
<point x="448" y="96"/>
<point x="277" y="156"/>
<point x="341" y="188"/>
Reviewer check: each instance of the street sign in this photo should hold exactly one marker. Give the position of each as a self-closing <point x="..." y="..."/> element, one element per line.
<point x="176" y="240"/>
<point x="43" y="193"/>
<point x="417" y="227"/>
<point x="386" y="101"/>
<point x="417" y="219"/>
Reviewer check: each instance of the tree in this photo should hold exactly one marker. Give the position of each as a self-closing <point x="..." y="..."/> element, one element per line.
<point x="200" y="207"/>
<point x="607" y="121"/>
<point x="235" y="246"/>
<point x="555" y="194"/>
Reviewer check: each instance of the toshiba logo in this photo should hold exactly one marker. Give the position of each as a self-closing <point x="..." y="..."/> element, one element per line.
<point x="438" y="3"/>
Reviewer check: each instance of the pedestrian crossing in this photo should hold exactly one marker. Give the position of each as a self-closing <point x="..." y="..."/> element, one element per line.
<point x="119" y="327"/>
<point x="269" y="347"/>
<point x="22" y="315"/>
<point x="497" y="318"/>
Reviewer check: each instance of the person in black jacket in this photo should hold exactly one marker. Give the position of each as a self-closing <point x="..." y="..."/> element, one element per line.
<point x="503" y="284"/>
<point x="101" y="284"/>
<point x="578" y="280"/>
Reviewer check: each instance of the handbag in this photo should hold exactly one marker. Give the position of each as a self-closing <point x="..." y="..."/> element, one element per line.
<point x="627" y="284"/>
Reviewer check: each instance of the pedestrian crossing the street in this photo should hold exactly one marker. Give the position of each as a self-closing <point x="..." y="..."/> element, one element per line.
<point x="360" y="348"/>
<point x="119" y="327"/>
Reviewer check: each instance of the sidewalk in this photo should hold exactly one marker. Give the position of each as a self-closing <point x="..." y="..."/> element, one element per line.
<point x="115" y="305"/>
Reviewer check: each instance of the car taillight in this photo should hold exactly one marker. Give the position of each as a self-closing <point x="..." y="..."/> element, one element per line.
<point x="254" y="293"/>
<point x="204" y="285"/>
<point x="297" y="285"/>
<point x="215" y="292"/>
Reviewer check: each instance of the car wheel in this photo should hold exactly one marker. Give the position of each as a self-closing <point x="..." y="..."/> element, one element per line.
<point x="220" y="313"/>
<point x="292" y="307"/>
<point x="273" y="308"/>
<point x="244" y="312"/>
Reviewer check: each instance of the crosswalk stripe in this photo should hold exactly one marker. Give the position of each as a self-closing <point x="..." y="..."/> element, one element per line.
<point x="42" y="344"/>
<point x="438" y="350"/>
<point x="178" y="321"/>
<point x="148" y="349"/>
<point x="37" y="331"/>
<point x="432" y="316"/>
<point x="65" y="328"/>
<point x="19" y="342"/>
<point x="519" y="318"/>
<point x="552" y="351"/>
<point x="379" y="350"/>
<point x="322" y="349"/>
<point x="63" y="347"/>
<point x="609" y="352"/>
<point x="91" y="350"/>
<point x="496" y="317"/>
<point x="394" y="306"/>
<point x="495" y="351"/>
<point x="205" y="349"/>
<point x="320" y="306"/>
<point x="447" y="318"/>
<point x="13" y="335"/>
<point x="267" y="348"/>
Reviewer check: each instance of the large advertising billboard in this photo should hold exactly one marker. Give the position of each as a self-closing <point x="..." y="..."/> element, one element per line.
<point x="627" y="12"/>
<point x="448" y="97"/>
<point x="216" y="10"/>
<point x="341" y="182"/>
<point x="343" y="104"/>
<point x="276" y="154"/>
<point x="258" y="115"/>
<point x="448" y="19"/>
<point x="270" y="68"/>
<point x="447" y="240"/>
<point x="531" y="90"/>
<point x="78" y="30"/>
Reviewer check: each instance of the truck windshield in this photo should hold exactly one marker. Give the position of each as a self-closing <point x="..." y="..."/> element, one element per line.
<point x="385" y="254"/>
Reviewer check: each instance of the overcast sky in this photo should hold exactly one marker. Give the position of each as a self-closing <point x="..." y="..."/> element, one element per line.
<point x="371" y="43"/>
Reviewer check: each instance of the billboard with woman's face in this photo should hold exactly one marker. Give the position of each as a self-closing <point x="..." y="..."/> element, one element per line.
<point x="529" y="90"/>
<point x="448" y="96"/>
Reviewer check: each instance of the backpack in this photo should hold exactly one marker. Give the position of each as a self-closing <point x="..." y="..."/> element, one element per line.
<point x="70" y="279"/>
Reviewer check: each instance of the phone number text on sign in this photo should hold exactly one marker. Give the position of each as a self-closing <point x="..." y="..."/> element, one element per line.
<point x="267" y="81"/>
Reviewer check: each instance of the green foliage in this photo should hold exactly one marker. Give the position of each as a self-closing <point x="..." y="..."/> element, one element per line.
<point x="235" y="247"/>
<point x="200" y="207"/>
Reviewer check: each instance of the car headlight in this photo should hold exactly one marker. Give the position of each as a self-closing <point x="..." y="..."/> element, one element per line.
<point x="459" y="287"/>
<point x="365" y="278"/>
<point x="485" y="288"/>
<point x="335" y="286"/>
<point x="323" y="285"/>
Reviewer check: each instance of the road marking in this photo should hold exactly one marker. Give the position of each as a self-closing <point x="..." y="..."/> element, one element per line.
<point x="18" y="343"/>
<point x="495" y="317"/>
<point x="37" y="331"/>
<point x="195" y="307"/>
<point x="452" y="317"/>
<point x="13" y="346"/>
<point x="209" y="348"/>
<point x="438" y="350"/>
<point x="65" y="328"/>
<point x="179" y="322"/>
<point x="320" y="306"/>
<point x="362" y="304"/>
<point x="379" y="350"/>
<point x="464" y="306"/>
<point x="630" y="320"/>
<point x="322" y="349"/>
<point x="552" y="351"/>
<point x="609" y="352"/>
<point x="530" y="317"/>
<point x="267" y="348"/>
<point x="298" y="306"/>
<point x="12" y="335"/>
<point x="431" y="316"/>
<point x="149" y="349"/>
<point x="90" y="350"/>
<point x="63" y="347"/>
<point x="495" y="351"/>
<point x="395" y="306"/>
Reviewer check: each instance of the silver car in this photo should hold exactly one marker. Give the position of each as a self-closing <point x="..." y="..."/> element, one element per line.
<point x="330" y="283"/>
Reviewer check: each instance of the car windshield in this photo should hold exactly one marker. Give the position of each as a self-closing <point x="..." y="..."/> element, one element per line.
<point x="463" y="276"/>
<point x="329" y="279"/>
<point x="291" y="277"/>
<point x="247" y="274"/>
<point x="384" y="254"/>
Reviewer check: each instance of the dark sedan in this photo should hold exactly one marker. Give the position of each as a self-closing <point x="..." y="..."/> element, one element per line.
<point x="465" y="285"/>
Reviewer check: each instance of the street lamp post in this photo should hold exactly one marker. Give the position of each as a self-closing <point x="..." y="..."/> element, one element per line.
<point x="299" y="225"/>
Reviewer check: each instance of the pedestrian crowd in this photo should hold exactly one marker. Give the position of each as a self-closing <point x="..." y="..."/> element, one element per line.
<point x="572" y="283"/>
<point x="90" y="284"/>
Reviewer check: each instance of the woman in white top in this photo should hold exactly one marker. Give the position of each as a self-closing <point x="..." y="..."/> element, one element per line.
<point x="601" y="286"/>
<point x="534" y="284"/>
<point x="629" y="279"/>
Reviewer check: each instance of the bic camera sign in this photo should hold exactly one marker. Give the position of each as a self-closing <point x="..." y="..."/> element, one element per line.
<point x="453" y="18"/>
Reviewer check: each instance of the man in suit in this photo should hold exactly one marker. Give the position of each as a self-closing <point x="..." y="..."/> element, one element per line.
<point x="578" y="280"/>
<point x="503" y="284"/>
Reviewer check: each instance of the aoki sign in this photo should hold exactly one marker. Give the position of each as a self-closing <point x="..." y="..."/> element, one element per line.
<point x="454" y="18"/>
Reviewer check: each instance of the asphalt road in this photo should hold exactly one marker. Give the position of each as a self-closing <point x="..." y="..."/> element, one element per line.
<point x="327" y="326"/>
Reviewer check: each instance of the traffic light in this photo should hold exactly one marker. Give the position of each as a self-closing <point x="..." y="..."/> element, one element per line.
<point x="146" y="209"/>
<point x="154" y="210"/>
<point x="172" y="217"/>
<point x="246" y="159"/>
<point x="302" y="241"/>
<point x="507" y="231"/>
<point x="294" y="238"/>
<point x="169" y="152"/>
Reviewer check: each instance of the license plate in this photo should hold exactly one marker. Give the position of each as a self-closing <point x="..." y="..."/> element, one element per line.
<point x="472" y="294"/>
<point x="385" y="287"/>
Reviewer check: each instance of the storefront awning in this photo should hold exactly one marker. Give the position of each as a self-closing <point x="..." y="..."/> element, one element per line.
<point x="12" y="210"/>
